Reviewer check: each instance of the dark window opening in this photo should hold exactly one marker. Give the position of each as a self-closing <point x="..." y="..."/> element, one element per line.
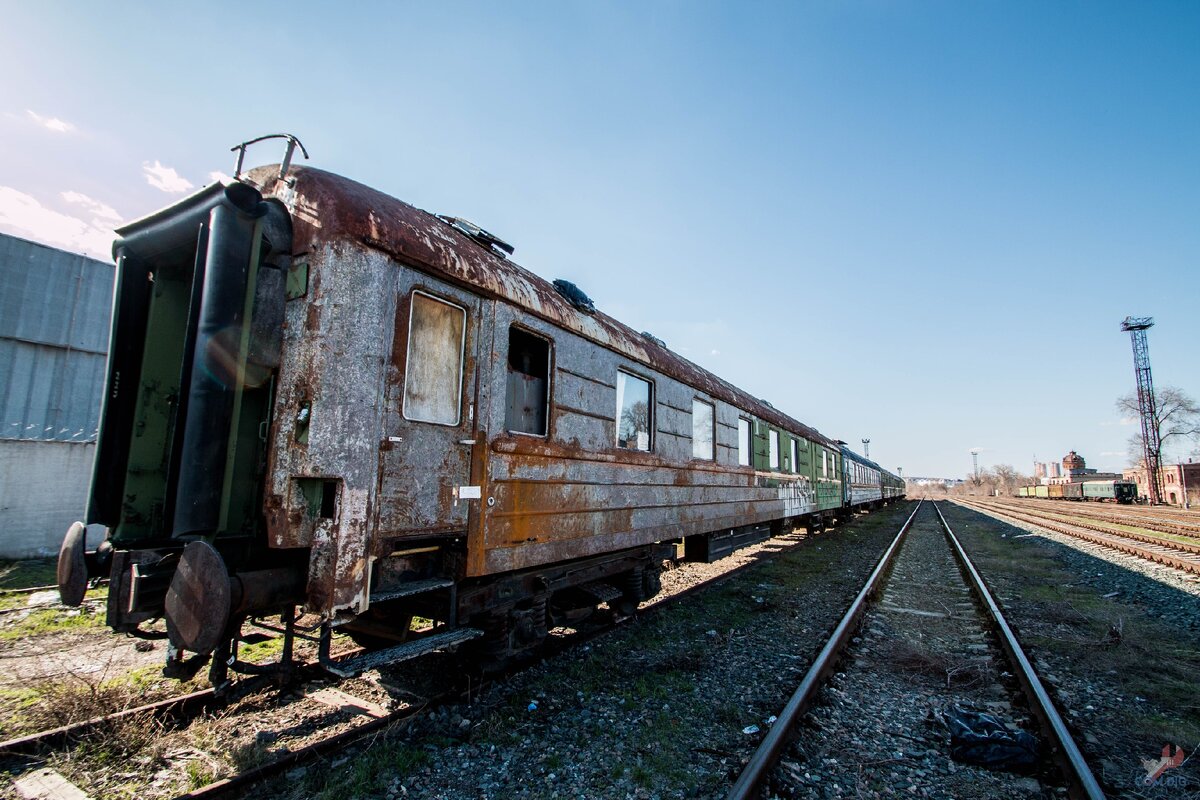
<point x="528" y="383"/>
<point x="329" y="493"/>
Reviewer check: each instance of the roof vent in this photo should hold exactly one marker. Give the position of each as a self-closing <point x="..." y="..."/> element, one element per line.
<point x="575" y="296"/>
<point x="493" y="243"/>
<point x="655" y="339"/>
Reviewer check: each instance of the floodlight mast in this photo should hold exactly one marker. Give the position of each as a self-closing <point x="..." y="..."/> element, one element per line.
<point x="1147" y="408"/>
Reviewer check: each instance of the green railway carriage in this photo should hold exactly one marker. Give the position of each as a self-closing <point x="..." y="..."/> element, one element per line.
<point x="1115" y="491"/>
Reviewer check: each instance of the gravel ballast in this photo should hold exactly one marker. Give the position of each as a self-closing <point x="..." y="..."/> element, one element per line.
<point x="670" y="704"/>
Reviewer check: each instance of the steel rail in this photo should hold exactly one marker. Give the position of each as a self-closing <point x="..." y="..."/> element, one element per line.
<point x="772" y="745"/>
<point x="1096" y="511"/>
<point x="1111" y="541"/>
<point x="1082" y="782"/>
<point x="349" y="737"/>
<point x="1091" y="524"/>
<point x="163" y="709"/>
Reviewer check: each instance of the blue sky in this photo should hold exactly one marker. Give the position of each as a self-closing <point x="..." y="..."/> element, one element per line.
<point x="920" y="223"/>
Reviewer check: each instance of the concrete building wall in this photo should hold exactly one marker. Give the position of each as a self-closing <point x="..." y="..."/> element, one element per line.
<point x="43" y="489"/>
<point x="54" y="318"/>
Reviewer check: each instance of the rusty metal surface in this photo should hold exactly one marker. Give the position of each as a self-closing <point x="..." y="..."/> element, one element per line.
<point x="198" y="602"/>
<point x="72" y="568"/>
<point x="520" y="500"/>
<point x="327" y="207"/>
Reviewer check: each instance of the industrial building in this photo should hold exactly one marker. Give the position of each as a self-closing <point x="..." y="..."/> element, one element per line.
<point x="54" y="323"/>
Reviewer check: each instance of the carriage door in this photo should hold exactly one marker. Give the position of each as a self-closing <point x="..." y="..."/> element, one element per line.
<point x="425" y="471"/>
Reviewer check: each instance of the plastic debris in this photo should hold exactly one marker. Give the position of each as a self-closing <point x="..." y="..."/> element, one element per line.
<point x="750" y="729"/>
<point x="771" y="719"/>
<point x="985" y="740"/>
<point x="532" y="705"/>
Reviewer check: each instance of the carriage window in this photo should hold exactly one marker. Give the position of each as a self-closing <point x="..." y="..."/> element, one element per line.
<point x="744" y="442"/>
<point x="633" y="412"/>
<point x="795" y="458"/>
<point x="433" y="369"/>
<point x="528" y="382"/>
<point x="702" y="430"/>
<point x="773" y="440"/>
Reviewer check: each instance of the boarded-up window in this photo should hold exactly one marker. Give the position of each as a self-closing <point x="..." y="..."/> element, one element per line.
<point x="528" y="382"/>
<point x="634" y="406"/>
<point x="773" y="445"/>
<point x="744" y="442"/>
<point x="702" y="430"/>
<point x="433" y="369"/>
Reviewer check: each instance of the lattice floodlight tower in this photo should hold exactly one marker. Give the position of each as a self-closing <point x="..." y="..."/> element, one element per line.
<point x="1151" y="444"/>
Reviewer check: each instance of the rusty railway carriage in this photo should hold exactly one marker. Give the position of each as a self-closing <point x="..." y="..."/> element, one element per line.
<point x="322" y="398"/>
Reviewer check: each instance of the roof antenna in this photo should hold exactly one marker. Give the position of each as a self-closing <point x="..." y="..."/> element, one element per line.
<point x="292" y="141"/>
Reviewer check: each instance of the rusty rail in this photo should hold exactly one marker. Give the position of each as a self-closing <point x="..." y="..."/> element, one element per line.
<point x="349" y="737"/>
<point x="1121" y="542"/>
<point x="164" y="709"/>
<point x="1082" y="784"/>
<point x="1097" y="512"/>
<point x="772" y="745"/>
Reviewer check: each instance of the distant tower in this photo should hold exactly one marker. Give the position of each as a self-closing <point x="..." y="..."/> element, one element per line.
<point x="975" y="462"/>
<point x="1073" y="460"/>
<point x="866" y="448"/>
<point x="1152" y="453"/>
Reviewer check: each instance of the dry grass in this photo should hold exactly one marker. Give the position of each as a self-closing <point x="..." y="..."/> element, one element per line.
<point x="957" y="671"/>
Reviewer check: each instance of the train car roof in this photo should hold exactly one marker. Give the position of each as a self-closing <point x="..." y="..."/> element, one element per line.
<point x="853" y="456"/>
<point x="329" y="207"/>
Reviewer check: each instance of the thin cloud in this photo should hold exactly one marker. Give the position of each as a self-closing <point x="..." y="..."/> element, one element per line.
<point x="715" y="353"/>
<point x="216" y="176"/>
<point x="1121" y="421"/>
<point x="23" y="215"/>
<point x="1112" y="453"/>
<point x="100" y="211"/>
<point x="165" y="178"/>
<point x="50" y="123"/>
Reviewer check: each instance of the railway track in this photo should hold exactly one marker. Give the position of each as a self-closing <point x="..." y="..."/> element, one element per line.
<point x="374" y="721"/>
<point x="1179" y="555"/>
<point x="1189" y="528"/>
<point x="926" y="522"/>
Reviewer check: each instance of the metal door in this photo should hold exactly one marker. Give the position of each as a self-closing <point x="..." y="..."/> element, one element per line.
<point x="425" y="461"/>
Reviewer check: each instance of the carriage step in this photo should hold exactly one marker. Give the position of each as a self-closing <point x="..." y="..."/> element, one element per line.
<point x="603" y="592"/>
<point x="402" y="652"/>
<point x="411" y="588"/>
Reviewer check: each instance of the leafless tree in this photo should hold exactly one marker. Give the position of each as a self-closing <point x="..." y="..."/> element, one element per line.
<point x="1177" y="419"/>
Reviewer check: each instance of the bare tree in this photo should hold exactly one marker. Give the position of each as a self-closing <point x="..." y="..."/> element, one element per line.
<point x="1177" y="419"/>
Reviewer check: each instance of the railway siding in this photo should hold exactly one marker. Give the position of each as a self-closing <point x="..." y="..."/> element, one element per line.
<point x="1115" y="638"/>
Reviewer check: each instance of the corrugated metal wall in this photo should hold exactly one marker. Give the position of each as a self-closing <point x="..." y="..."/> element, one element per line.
<point x="54" y="319"/>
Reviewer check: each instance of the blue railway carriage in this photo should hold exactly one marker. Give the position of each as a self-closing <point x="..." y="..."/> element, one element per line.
<point x="862" y="481"/>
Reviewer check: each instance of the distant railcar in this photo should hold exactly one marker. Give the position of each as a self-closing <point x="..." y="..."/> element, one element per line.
<point x="1113" y="491"/>
<point x="319" y="397"/>
<point x="1116" y="491"/>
